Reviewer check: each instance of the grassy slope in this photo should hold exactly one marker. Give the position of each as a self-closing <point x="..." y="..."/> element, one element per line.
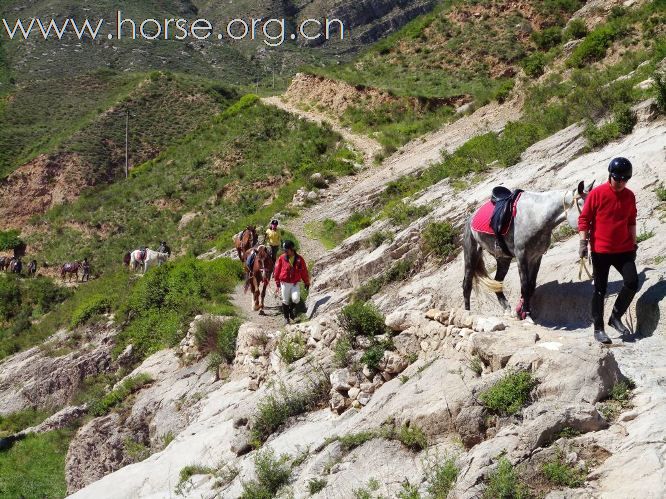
<point x="244" y="164"/>
<point x="35" y="466"/>
<point x="463" y="48"/>
<point x="85" y="114"/>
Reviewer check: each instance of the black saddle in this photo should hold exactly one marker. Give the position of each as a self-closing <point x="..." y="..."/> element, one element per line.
<point x="503" y="199"/>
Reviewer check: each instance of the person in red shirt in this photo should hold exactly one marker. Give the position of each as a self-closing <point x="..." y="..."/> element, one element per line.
<point x="289" y="271"/>
<point x="608" y="224"/>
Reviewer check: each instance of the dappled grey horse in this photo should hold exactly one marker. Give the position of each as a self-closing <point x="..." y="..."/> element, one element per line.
<point x="528" y="238"/>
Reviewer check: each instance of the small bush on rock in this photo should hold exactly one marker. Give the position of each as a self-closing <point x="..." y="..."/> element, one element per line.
<point x="292" y="348"/>
<point x="575" y="29"/>
<point x="118" y="395"/>
<point x="362" y="319"/>
<point x="508" y="395"/>
<point x="558" y="472"/>
<point x="440" y="477"/>
<point x="272" y="472"/>
<point x="504" y="483"/>
<point x="441" y="239"/>
<point x="316" y="485"/>
<point x="412" y="437"/>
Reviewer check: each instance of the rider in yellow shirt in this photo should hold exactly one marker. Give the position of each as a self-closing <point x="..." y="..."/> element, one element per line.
<point x="273" y="238"/>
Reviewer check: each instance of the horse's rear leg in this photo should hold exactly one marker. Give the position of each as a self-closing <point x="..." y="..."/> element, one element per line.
<point x="471" y="253"/>
<point x="502" y="269"/>
<point x="523" y="308"/>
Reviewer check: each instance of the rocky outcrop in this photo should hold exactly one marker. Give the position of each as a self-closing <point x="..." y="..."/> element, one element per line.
<point x="40" y="378"/>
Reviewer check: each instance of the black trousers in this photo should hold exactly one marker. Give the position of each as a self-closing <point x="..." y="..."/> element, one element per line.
<point x="625" y="264"/>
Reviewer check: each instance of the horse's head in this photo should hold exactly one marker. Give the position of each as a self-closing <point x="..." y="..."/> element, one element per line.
<point x="265" y="262"/>
<point x="574" y="207"/>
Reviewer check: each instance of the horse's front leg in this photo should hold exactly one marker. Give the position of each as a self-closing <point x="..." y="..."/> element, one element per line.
<point x="523" y="308"/>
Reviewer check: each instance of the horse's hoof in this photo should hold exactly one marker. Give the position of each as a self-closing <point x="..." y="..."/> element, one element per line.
<point x="261" y="312"/>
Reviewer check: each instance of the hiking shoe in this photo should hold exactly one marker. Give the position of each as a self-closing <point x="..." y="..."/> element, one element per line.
<point x="616" y="323"/>
<point x="601" y="336"/>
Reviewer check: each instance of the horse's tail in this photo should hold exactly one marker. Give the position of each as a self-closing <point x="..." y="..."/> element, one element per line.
<point x="479" y="272"/>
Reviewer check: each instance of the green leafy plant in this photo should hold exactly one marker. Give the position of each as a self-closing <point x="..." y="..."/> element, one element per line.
<point x="575" y="30"/>
<point x="510" y="394"/>
<point x="272" y="473"/>
<point x="440" y="477"/>
<point x="316" y="485"/>
<point x="361" y="319"/>
<point x="292" y="347"/>
<point x="560" y="473"/>
<point x="441" y="239"/>
<point x="504" y="483"/>
<point x="412" y="437"/>
<point x="534" y="64"/>
<point x="119" y="394"/>
<point x="94" y="305"/>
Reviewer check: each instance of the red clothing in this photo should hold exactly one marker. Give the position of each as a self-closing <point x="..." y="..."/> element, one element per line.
<point x="284" y="272"/>
<point x="608" y="216"/>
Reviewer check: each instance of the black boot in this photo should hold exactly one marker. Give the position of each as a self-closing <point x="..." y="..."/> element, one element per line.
<point x="616" y="323"/>
<point x="292" y="311"/>
<point x="601" y="336"/>
<point x="598" y="310"/>
<point x="285" y="312"/>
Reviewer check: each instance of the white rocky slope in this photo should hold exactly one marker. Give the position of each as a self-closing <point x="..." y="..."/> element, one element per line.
<point x="438" y="390"/>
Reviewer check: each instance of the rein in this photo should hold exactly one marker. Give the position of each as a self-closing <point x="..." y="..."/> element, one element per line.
<point x="582" y="266"/>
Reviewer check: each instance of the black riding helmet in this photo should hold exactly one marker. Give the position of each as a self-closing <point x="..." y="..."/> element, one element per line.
<point x="288" y="245"/>
<point x="621" y="167"/>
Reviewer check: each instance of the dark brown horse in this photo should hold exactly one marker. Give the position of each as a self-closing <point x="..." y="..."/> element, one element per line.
<point x="246" y="240"/>
<point x="70" y="269"/>
<point x="260" y="273"/>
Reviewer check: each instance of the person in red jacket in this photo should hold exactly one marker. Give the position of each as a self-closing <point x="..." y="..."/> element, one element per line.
<point x="608" y="224"/>
<point x="289" y="271"/>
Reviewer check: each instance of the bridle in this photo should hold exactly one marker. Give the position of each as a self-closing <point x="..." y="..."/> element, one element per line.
<point x="582" y="267"/>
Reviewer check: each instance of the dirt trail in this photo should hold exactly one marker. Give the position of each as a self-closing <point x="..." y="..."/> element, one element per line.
<point x="364" y="144"/>
<point x="272" y="318"/>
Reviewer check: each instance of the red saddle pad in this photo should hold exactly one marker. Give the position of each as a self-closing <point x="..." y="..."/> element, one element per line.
<point x="481" y="218"/>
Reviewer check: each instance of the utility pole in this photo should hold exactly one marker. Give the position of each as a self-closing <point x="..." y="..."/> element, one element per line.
<point x="127" y="143"/>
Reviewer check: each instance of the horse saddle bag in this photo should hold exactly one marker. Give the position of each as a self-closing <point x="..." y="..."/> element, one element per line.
<point x="504" y="200"/>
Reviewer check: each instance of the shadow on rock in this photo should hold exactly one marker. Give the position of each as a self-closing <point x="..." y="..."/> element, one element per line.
<point x="648" y="314"/>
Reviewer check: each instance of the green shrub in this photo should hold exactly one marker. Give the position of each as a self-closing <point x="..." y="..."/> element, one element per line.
<point x="624" y="118"/>
<point x="504" y="483"/>
<point x="10" y="298"/>
<point x="94" y="305"/>
<point x="412" y="437"/>
<point x="403" y="214"/>
<point x="316" y="485"/>
<point x="218" y="337"/>
<point x="602" y="135"/>
<point x="276" y="408"/>
<point x="408" y="491"/>
<point x="503" y="90"/>
<point x="476" y="365"/>
<point x="660" y="191"/>
<point x="441" y="239"/>
<point x="547" y="38"/>
<point x="341" y="351"/>
<point x="380" y="237"/>
<point x="567" y="432"/>
<point x="440" y="477"/>
<point x="595" y="44"/>
<point x="534" y="64"/>
<point x="558" y="472"/>
<point x="292" y="347"/>
<point x="575" y="29"/>
<point x="361" y="319"/>
<point x="118" y="395"/>
<point x="660" y="86"/>
<point x="397" y="272"/>
<point x="621" y="391"/>
<point x="272" y="472"/>
<point x="509" y="394"/>
<point x="373" y="355"/>
<point x="9" y="240"/>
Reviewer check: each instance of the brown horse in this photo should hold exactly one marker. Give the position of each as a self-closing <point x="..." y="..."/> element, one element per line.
<point x="260" y="273"/>
<point x="4" y="262"/>
<point x="70" y="269"/>
<point x="246" y="240"/>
